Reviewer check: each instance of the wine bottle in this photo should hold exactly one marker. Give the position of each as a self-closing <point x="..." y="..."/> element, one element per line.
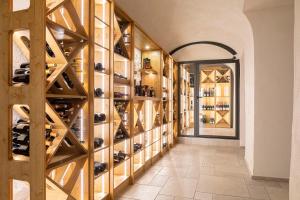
<point x="25" y="65"/>
<point x="99" y="168"/>
<point x="62" y="106"/>
<point x="120" y="95"/>
<point x="49" y="118"/>
<point x="100" y="117"/>
<point x="21" y="150"/>
<point x="57" y="85"/>
<point x="98" y="92"/>
<point x="121" y="135"/>
<point x="22" y="121"/>
<point x="49" y="51"/>
<point x="116" y="158"/>
<point x="22" y="71"/>
<point x="122" y="155"/>
<point x="21" y="139"/>
<point x="99" y="67"/>
<point x="21" y="78"/>
<point x="98" y="142"/>
<point x="21" y="128"/>
<point x="68" y="80"/>
<point x="137" y="147"/>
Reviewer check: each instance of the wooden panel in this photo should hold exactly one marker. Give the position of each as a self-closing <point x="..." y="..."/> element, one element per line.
<point x="33" y="19"/>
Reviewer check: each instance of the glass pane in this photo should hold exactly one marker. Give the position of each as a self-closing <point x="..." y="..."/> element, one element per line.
<point x="187" y="106"/>
<point x="216" y="100"/>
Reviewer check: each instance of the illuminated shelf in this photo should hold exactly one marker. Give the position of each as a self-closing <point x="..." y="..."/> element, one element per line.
<point x="122" y="162"/>
<point x="116" y="142"/>
<point x="101" y="98"/>
<point x="101" y="174"/>
<point x="101" y="148"/>
<point x="101" y="123"/>
<point x="121" y="81"/>
<point x="97" y="73"/>
<point x="154" y="153"/>
<point x="66" y="96"/>
<point x="137" y="167"/>
<point x="142" y="98"/>
<point x="100" y="196"/>
<point x="138" y="133"/>
<point x="118" y="180"/>
<point x="139" y="151"/>
<point x="102" y="79"/>
<point x="121" y="99"/>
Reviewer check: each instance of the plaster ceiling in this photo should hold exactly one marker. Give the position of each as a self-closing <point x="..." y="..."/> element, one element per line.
<point x="177" y="22"/>
<point x="260" y="4"/>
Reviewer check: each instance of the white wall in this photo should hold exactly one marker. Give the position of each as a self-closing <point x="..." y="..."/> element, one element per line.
<point x="242" y="101"/>
<point x="249" y="103"/>
<point x="295" y="164"/>
<point x="268" y="150"/>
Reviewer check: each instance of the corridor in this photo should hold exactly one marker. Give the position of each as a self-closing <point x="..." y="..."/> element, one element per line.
<point x="203" y="173"/>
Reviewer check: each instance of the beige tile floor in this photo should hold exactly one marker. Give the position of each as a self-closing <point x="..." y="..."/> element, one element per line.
<point x="194" y="172"/>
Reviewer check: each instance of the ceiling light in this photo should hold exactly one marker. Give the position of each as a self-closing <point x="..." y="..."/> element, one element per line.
<point x="147" y="47"/>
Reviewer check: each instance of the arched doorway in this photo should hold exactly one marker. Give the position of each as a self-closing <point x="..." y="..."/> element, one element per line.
<point x="209" y="95"/>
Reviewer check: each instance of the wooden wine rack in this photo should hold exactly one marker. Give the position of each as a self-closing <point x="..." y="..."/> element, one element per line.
<point x="78" y="35"/>
<point x="55" y="171"/>
<point x="33" y="20"/>
<point x="219" y="78"/>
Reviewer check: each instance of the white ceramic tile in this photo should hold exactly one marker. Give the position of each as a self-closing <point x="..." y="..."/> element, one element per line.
<point x="159" y="180"/>
<point x="203" y="173"/>
<point x="164" y="197"/>
<point x="142" y="192"/>
<point x="145" y="179"/>
<point x="222" y="185"/>
<point x="203" y="196"/>
<point x="173" y="172"/>
<point x="276" y="193"/>
<point x="180" y="187"/>
<point x="258" y="192"/>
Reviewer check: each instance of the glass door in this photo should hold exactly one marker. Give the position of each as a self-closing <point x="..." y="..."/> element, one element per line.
<point x="207" y="100"/>
<point x="187" y="98"/>
<point x="215" y="100"/>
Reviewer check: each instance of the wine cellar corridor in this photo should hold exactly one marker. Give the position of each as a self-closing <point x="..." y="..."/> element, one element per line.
<point x="149" y="100"/>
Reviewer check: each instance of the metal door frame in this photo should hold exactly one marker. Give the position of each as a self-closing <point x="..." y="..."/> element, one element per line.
<point x="196" y="103"/>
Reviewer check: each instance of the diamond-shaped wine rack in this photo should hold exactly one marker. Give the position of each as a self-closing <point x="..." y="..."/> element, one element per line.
<point x="65" y="38"/>
<point x="121" y="116"/>
<point x="223" y="75"/>
<point x="207" y="76"/>
<point x="139" y="125"/>
<point x="64" y="87"/>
